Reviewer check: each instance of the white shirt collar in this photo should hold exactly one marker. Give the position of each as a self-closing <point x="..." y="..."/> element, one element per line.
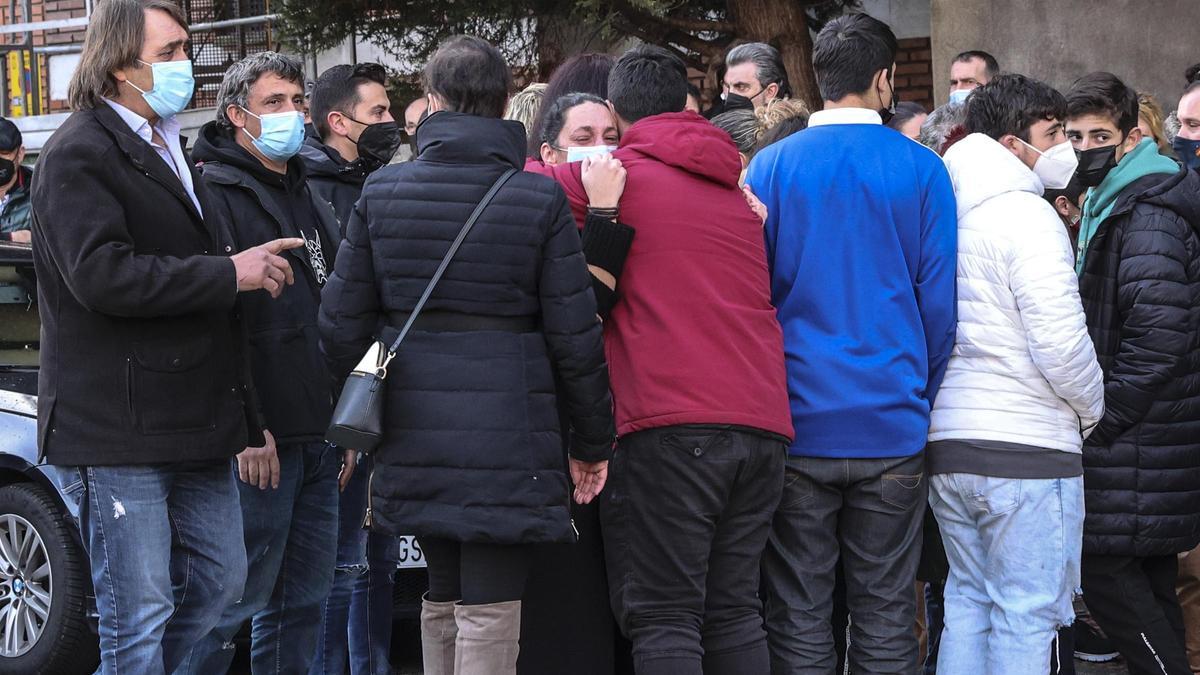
<point x="168" y="127"/>
<point x="844" y="116"/>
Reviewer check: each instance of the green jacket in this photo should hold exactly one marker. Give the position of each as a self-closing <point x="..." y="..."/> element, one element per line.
<point x="17" y="213"/>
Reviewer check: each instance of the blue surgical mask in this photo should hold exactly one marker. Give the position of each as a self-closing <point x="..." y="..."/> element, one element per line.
<point x="173" y="87"/>
<point x="959" y="95"/>
<point x="1188" y="151"/>
<point x="282" y="134"/>
<point x="578" y="153"/>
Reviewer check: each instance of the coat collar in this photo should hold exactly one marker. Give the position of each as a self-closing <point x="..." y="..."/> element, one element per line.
<point x="457" y="138"/>
<point x="145" y="159"/>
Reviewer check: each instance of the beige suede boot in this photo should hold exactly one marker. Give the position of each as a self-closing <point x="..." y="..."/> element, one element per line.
<point x="438" y="632"/>
<point x="488" y="638"/>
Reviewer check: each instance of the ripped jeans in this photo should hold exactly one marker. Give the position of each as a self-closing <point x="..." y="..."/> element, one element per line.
<point x="1014" y="547"/>
<point x="165" y="546"/>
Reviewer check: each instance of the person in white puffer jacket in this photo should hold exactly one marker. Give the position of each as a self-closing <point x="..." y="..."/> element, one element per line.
<point x="1022" y="390"/>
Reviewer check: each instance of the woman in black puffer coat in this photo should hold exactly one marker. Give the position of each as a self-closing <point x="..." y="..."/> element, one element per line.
<point x="471" y="458"/>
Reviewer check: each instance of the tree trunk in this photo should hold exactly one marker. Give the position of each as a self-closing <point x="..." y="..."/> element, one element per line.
<point x="783" y="24"/>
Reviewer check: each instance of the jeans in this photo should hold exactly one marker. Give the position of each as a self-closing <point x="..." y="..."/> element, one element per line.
<point x="867" y="514"/>
<point x="685" y="518"/>
<point x="1134" y="601"/>
<point x="356" y="618"/>
<point x="1014" y="547"/>
<point x="165" y="545"/>
<point x="291" y="548"/>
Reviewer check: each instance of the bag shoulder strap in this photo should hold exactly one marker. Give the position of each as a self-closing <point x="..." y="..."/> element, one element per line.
<point x="454" y="246"/>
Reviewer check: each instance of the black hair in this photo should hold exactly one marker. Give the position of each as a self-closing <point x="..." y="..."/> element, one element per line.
<point x="337" y="89"/>
<point x="647" y="80"/>
<point x="556" y="115"/>
<point x="693" y="91"/>
<point x="1011" y="104"/>
<point x="10" y="135"/>
<point x="905" y="111"/>
<point x="849" y="51"/>
<point x="782" y="130"/>
<point x="1104" y="94"/>
<point x="470" y="76"/>
<point x="990" y="66"/>
<point x="1072" y="192"/>
<point x="583" y="73"/>
<point x="1192" y="73"/>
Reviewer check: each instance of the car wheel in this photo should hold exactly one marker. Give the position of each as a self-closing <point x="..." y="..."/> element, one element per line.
<point x="44" y="583"/>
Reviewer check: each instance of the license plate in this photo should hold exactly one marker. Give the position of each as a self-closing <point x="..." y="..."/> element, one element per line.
<point x="409" y="553"/>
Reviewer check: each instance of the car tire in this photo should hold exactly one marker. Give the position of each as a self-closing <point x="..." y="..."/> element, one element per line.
<point x="66" y="643"/>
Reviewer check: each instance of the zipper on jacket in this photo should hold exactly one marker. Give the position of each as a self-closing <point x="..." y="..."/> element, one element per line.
<point x="576" y="530"/>
<point x="368" y="518"/>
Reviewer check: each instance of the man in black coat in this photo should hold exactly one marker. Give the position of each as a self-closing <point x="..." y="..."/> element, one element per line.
<point x="1139" y="264"/>
<point x="142" y="394"/>
<point x="357" y="135"/>
<point x="288" y="486"/>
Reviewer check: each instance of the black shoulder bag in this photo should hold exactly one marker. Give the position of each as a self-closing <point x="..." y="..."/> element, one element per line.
<point x="358" y="419"/>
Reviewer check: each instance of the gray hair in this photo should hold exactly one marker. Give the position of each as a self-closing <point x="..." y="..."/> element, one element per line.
<point x="940" y="124"/>
<point x="767" y="62"/>
<point x="235" y="88"/>
<point x="743" y="126"/>
<point x="114" y="38"/>
<point x="1171" y="126"/>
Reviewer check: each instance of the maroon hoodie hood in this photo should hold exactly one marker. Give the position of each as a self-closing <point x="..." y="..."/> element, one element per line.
<point x="693" y="337"/>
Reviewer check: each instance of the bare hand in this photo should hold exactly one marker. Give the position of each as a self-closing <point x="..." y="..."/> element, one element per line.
<point x="260" y="466"/>
<point x="604" y="180"/>
<point x="349" y="461"/>
<point x="756" y="205"/>
<point x="589" y="479"/>
<point x="262" y="267"/>
<point x="21" y="236"/>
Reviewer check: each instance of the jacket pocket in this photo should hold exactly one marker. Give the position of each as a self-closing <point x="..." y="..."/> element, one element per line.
<point x="171" y="386"/>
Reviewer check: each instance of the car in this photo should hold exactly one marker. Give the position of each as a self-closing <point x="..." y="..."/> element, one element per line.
<point x="48" y="621"/>
<point x="47" y="609"/>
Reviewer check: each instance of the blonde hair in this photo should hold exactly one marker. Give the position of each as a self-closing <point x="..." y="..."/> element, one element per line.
<point x="115" y="34"/>
<point x="1152" y="112"/>
<point x="523" y="107"/>
<point x="778" y="110"/>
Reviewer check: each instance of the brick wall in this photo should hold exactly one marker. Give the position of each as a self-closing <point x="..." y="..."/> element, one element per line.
<point x="914" y="71"/>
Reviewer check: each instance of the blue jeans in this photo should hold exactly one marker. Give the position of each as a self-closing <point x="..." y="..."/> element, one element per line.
<point x="1014" y="547"/>
<point x="356" y="620"/>
<point x="291" y="546"/>
<point x="165" y="545"/>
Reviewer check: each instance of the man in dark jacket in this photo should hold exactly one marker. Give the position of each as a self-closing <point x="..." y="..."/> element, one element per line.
<point x="698" y="378"/>
<point x="1139" y="264"/>
<point x="288" y="485"/>
<point x="142" y="394"/>
<point x="16" y="216"/>
<point x="357" y="135"/>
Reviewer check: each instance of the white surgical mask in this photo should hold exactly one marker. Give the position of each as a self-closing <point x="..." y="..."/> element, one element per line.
<point x="959" y="95"/>
<point x="1055" y="166"/>
<point x="578" y="153"/>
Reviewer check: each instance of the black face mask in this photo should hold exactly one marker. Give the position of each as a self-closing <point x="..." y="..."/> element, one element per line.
<point x="737" y="102"/>
<point x="8" y="170"/>
<point x="378" y="143"/>
<point x="886" y="114"/>
<point x="1094" y="165"/>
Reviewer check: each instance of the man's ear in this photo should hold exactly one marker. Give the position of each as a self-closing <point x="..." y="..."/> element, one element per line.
<point x="1131" y="141"/>
<point x="435" y="104"/>
<point x="337" y="123"/>
<point x="1063" y="206"/>
<point x="1013" y="145"/>
<point x="770" y="92"/>
<point x="237" y="116"/>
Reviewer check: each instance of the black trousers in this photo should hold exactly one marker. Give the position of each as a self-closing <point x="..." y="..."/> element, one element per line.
<point x="476" y="574"/>
<point x="1134" y="601"/>
<point x="685" y="519"/>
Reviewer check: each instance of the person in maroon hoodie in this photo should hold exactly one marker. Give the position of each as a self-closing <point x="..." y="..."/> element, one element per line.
<point x="697" y="371"/>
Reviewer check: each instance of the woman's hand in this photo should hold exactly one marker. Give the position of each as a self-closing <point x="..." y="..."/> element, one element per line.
<point x="589" y="478"/>
<point x="756" y="205"/>
<point x="603" y="180"/>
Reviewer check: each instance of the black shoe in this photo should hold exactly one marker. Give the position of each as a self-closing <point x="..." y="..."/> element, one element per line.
<point x="1091" y="644"/>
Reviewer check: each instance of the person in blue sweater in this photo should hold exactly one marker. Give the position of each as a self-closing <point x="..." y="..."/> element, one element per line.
<point x="861" y="243"/>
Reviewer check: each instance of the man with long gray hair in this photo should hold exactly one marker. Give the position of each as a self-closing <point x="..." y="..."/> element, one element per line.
<point x="142" y="397"/>
<point x="754" y="75"/>
<point x="289" y="484"/>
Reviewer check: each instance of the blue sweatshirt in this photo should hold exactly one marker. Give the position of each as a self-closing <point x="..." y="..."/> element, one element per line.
<point x="861" y="244"/>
